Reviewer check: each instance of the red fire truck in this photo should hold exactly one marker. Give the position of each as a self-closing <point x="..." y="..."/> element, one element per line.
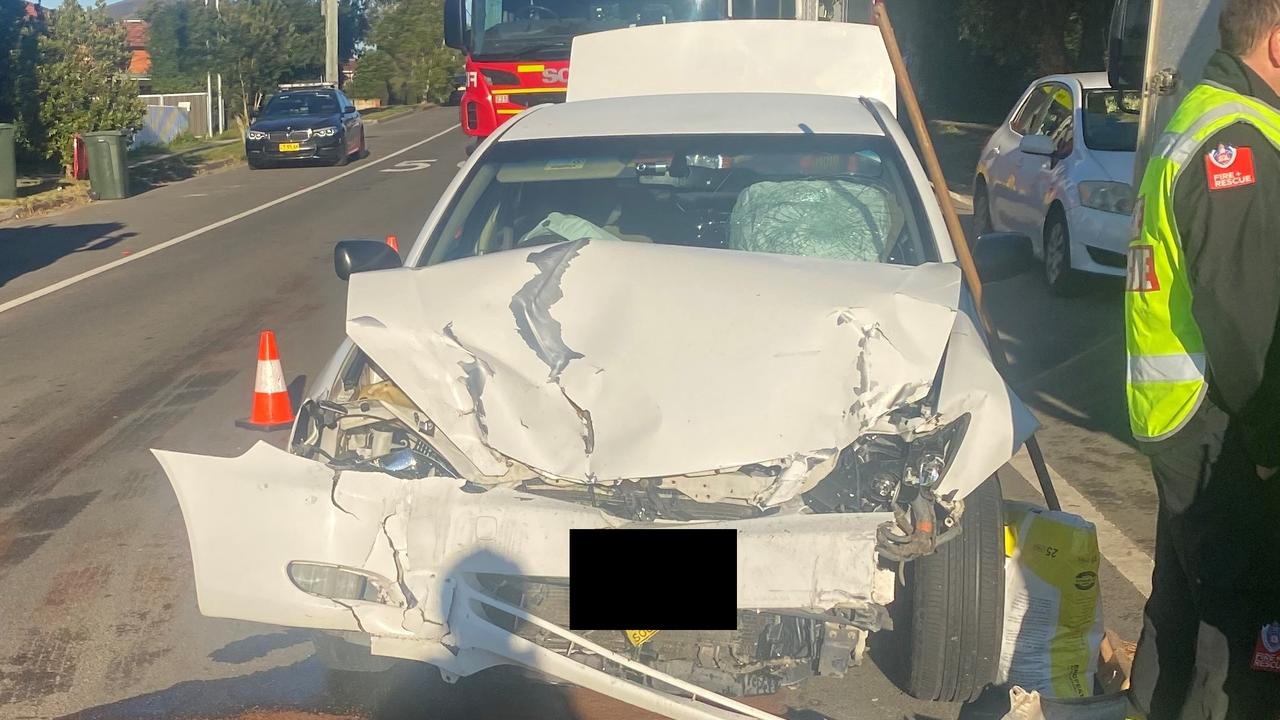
<point x="518" y="50"/>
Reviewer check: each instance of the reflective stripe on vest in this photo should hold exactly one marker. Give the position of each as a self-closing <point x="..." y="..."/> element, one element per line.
<point x="1166" y="371"/>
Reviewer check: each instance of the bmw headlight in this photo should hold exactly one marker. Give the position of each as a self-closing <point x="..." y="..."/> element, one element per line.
<point x="257" y="135"/>
<point x="1112" y="197"/>
<point x="325" y="132"/>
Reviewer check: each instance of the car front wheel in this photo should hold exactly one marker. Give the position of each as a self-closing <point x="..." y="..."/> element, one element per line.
<point x="1063" y="279"/>
<point x="981" y="208"/>
<point x="957" y="597"/>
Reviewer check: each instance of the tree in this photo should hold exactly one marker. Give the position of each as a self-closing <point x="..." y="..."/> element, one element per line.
<point x="178" y="33"/>
<point x="82" y="77"/>
<point x="19" y="54"/>
<point x="260" y="43"/>
<point x="1052" y="35"/>
<point x="409" y="63"/>
<point x="353" y="27"/>
<point x="373" y="77"/>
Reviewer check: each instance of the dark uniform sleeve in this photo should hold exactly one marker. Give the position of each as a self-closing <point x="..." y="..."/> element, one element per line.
<point x="1231" y="238"/>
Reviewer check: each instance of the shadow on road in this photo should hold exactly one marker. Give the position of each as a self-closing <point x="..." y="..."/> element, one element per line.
<point x="309" y="690"/>
<point x="31" y="247"/>
<point x="1067" y="356"/>
<point x="158" y="174"/>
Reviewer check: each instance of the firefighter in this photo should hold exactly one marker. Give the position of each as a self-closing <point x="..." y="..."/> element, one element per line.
<point x="1201" y="307"/>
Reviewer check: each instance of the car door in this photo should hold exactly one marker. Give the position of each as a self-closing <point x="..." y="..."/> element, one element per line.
<point x="1002" y="161"/>
<point x="1028" y="204"/>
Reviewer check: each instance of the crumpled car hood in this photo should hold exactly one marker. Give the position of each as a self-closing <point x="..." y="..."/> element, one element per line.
<point x="600" y="360"/>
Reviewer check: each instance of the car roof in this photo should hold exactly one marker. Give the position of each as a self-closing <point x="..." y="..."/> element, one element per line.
<point x="1087" y="80"/>
<point x="695" y="114"/>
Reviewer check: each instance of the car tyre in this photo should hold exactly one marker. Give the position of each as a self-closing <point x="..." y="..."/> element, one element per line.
<point x="255" y="165"/>
<point x="981" y="208"/>
<point x="957" y="596"/>
<point x="1062" y="279"/>
<point x="364" y="147"/>
<point x="342" y="160"/>
<point x="340" y="655"/>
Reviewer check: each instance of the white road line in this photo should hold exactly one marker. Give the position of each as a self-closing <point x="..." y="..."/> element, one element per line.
<point x="1132" y="562"/>
<point x="50" y="289"/>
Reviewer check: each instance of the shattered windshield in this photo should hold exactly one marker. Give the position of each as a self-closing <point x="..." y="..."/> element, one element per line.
<point x="524" y="29"/>
<point x="841" y="198"/>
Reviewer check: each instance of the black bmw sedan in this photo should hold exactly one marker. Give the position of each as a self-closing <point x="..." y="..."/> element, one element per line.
<point x="305" y="123"/>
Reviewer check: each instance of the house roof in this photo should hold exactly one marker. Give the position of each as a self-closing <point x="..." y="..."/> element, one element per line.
<point x="137" y="33"/>
<point x="140" y="63"/>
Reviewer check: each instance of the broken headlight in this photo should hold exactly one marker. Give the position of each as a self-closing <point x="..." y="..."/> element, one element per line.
<point x="929" y="456"/>
<point x="871" y="473"/>
<point x="371" y="432"/>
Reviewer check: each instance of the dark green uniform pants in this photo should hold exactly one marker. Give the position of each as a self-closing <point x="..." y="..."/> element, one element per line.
<point x="1216" y="580"/>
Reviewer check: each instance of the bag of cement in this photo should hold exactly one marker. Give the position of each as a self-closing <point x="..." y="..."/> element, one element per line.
<point x="1024" y="705"/>
<point x="1052" y="605"/>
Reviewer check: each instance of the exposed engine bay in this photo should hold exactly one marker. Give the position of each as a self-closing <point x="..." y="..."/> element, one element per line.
<point x="370" y="424"/>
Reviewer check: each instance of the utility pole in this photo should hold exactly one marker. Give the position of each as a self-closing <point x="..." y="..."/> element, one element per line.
<point x="222" y="109"/>
<point x="330" y="10"/>
<point x="208" y="92"/>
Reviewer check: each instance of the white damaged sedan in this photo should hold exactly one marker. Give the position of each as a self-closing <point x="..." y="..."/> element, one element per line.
<point x="717" y="310"/>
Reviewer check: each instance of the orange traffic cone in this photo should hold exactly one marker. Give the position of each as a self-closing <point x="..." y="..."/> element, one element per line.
<point x="394" y="243"/>
<point x="271" y="407"/>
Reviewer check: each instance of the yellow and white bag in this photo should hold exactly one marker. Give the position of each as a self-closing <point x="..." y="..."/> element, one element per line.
<point x="1052" y="604"/>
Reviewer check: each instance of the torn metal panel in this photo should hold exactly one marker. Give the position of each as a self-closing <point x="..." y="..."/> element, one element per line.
<point x="422" y="534"/>
<point x="249" y="517"/>
<point x="999" y="422"/>
<point x="668" y="360"/>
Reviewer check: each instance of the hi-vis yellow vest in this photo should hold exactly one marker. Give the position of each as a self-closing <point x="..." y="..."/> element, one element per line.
<point x="1166" y="375"/>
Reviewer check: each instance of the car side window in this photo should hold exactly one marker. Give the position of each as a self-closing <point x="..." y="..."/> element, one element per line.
<point x="1022" y="121"/>
<point x="1057" y="111"/>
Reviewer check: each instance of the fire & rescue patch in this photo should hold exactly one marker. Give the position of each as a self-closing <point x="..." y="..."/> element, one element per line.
<point x="1228" y="166"/>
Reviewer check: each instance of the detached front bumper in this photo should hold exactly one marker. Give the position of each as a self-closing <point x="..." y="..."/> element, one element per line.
<point x="418" y="548"/>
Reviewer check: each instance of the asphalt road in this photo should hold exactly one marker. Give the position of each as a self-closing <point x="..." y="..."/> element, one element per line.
<point x="132" y="324"/>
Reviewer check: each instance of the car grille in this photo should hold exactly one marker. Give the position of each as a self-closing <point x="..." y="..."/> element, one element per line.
<point x="532" y="99"/>
<point x="279" y="135"/>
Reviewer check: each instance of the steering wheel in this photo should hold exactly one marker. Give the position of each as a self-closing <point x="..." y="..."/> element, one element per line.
<point x="537" y="12"/>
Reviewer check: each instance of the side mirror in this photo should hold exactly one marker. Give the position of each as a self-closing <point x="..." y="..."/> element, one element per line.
<point x="1002" y="255"/>
<point x="1037" y="145"/>
<point x="1127" y="44"/>
<point x="349" y="109"/>
<point x="353" y="256"/>
<point x="454" y="24"/>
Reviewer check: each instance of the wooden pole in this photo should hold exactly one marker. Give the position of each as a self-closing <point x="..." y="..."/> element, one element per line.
<point x="931" y="164"/>
<point x="963" y="255"/>
<point x="967" y="266"/>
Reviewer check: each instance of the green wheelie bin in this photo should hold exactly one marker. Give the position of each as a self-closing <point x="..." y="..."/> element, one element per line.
<point x="108" y="164"/>
<point x="8" y="166"/>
